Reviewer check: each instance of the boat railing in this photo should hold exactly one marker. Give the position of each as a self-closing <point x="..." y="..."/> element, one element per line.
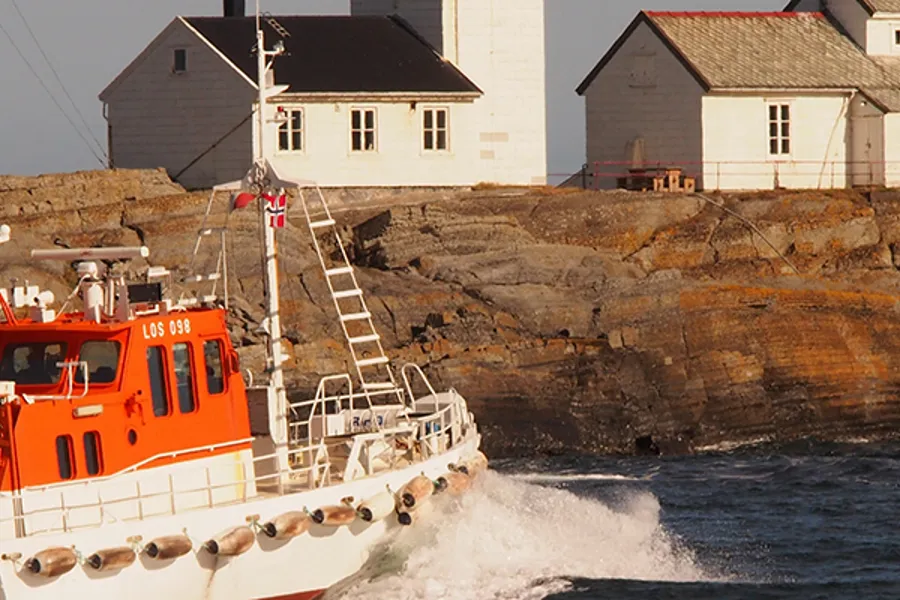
<point x="441" y="430"/>
<point x="139" y="499"/>
<point x="409" y="391"/>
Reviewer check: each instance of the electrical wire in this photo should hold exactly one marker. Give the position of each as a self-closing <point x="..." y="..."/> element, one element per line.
<point x="58" y="79"/>
<point x="49" y="93"/>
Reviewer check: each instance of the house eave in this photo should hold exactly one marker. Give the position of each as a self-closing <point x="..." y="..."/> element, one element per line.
<point x="789" y="90"/>
<point x="379" y="97"/>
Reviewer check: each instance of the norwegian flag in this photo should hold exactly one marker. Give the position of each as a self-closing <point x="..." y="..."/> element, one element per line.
<point x="277" y="208"/>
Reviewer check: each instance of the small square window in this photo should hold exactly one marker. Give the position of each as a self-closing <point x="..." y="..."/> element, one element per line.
<point x="362" y="130"/>
<point x="290" y="133"/>
<point x="179" y="60"/>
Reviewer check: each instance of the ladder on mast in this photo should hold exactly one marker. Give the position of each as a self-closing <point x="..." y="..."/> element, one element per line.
<point x="372" y="364"/>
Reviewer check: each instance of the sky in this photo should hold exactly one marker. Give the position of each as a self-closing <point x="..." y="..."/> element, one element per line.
<point x="88" y="42"/>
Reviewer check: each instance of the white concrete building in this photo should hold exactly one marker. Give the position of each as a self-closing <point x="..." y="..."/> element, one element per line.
<point x="500" y="45"/>
<point x="370" y="101"/>
<point x="750" y="100"/>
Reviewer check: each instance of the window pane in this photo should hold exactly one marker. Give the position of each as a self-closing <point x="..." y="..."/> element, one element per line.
<point x="158" y="393"/>
<point x="429" y="140"/>
<point x="785" y="146"/>
<point x="296" y="120"/>
<point x="283" y="138"/>
<point x="64" y="457"/>
<point x="785" y="112"/>
<point x="370" y="119"/>
<point x="370" y="140"/>
<point x="429" y="119"/>
<point x="32" y="364"/>
<point x="773" y="113"/>
<point x="442" y="140"/>
<point x="897" y="37"/>
<point x="212" y="356"/>
<point x="92" y="452"/>
<point x="356" y="119"/>
<point x="442" y="119"/>
<point x="785" y="129"/>
<point x="181" y="60"/>
<point x="773" y="129"/>
<point x="102" y="359"/>
<point x="296" y="142"/>
<point x="357" y="140"/>
<point x="184" y="378"/>
<point x="773" y="146"/>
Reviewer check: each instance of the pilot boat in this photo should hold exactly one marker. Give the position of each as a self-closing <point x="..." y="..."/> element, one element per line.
<point x="136" y="462"/>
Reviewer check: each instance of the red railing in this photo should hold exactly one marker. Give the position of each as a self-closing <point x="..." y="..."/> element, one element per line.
<point x="737" y="175"/>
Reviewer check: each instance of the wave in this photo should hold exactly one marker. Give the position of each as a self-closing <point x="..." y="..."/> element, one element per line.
<point x="511" y="539"/>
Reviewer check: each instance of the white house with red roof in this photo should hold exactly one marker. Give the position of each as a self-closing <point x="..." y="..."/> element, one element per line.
<point x="804" y="98"/>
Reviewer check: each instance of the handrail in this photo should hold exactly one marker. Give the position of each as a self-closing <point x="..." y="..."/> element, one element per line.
<point x="130" y="469"/>
<point x="70" y="386"/>
<point x="409" y="391"/>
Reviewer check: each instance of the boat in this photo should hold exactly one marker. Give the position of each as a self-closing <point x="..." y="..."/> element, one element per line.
<point x="136" y="461"/>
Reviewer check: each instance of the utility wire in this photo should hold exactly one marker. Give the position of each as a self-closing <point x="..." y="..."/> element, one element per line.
<point x="52" y="97"/>
<point x="58" y="80"/>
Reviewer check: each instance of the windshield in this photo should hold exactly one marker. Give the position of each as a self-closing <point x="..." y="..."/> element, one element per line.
<point x="33" y="363"/>
<point x="102" y="358"/>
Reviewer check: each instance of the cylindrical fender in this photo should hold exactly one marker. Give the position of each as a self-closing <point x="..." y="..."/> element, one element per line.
<point x="232" y="542"/>
<point x="334" y="516"/>
<point x="169" y="546"/>
<point x="415" y="491"/>
<point x="287" y="525"/>
<point x="474" y="465"/>
<point x="52" y="562"/>
<point x="455" y="483"/>
<point x="111" y="559"/>
<point x="377" y="507"/>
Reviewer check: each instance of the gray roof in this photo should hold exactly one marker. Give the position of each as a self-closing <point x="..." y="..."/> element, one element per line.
<point x="889" y="6"/>
<point x="769" y="50"/>
<point x="747" y="50"/>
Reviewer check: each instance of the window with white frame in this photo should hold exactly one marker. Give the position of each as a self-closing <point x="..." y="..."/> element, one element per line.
<point x="435" y="125"/>
<point x="290" y="133"/>
<point x="362" y="129"/>
<point x="779" y="129"/>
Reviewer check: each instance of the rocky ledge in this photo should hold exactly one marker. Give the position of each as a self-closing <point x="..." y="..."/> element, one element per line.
<point x="572" y="321"/>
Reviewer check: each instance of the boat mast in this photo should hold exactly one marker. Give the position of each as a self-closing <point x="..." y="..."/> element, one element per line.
<point x="277" y="395"/>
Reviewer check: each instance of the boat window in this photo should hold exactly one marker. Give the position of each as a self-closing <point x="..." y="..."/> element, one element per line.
<point x="102" y="358"/>
<point x="158" y="392"/>
<point x="33" y="363"/>
<point x="184" y="377"/>
<point x="92" y="452"/>
<point x="64" y="456"/>
<point x="212" y="355"/>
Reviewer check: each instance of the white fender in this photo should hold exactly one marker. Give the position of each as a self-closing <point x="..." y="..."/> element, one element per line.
<point x="233" y="542"/>
<point x="334" y="516"/>
<point x="169" y="546"/>
<point x="52" y="562"/>
<point x="377" y="507"/>
<point x="111" y="559"/>
<point x="416" y="491"/>
<point x="288" y="525"/>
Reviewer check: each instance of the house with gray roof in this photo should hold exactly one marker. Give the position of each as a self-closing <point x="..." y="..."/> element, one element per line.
<point x="751" y="100"/>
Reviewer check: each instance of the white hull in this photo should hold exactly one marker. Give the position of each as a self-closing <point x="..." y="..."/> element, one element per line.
<point x="296" y="568"/>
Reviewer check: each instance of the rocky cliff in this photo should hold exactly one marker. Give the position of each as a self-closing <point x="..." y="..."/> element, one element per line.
<point x="572" y="321"/>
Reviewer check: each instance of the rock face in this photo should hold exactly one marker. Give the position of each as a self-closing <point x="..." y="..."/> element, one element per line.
<point x="572" y="322"/>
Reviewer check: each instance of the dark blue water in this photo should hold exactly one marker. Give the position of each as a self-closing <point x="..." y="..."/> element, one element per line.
<point x="806" y="521"/>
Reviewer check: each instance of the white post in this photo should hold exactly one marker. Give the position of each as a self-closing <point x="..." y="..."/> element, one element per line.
<point x="278" y="399"/>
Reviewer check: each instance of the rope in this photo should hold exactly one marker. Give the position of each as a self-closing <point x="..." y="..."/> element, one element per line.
<point x="49" y="93"/>
<point x="751" y="225"/>
<point x="58" y="80"/>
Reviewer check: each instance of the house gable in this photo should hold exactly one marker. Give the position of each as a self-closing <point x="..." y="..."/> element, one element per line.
<point x="175" y="25"/>
<point x="641" y="19"/>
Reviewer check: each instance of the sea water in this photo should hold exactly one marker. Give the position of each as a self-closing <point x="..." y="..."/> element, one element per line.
<point x="806" y="521"/>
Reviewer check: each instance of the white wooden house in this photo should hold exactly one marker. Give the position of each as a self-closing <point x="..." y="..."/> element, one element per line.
<point x="751" y="100"/>
<point x="370" y="101"/>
